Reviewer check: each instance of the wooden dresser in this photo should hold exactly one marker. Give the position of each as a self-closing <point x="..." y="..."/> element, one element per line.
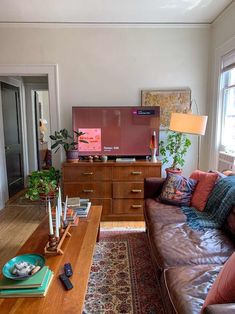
<point x="118" y="187"/>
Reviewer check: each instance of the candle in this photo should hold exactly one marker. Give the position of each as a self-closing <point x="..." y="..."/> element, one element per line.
<point x="56" y="223"/>
<point x="58" y="209"/>
<point x="65" y="207"/>
<point x="50" y="218"/>
<point x="59" y="202"/>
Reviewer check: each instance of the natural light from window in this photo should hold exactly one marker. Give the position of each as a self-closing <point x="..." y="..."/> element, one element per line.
<point x="228" y="104"/>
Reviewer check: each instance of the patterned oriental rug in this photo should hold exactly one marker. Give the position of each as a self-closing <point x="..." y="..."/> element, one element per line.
<point x="122" y="278"/>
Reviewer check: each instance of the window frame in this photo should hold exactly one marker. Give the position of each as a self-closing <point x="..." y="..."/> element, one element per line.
<point x="227" y="64"/>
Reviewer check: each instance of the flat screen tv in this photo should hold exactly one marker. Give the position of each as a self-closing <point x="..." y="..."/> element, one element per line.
<point x="116" y="131"/>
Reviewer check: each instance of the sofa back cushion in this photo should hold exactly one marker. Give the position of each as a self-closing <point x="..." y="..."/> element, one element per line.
<point x="177" y="190"/>
<point x="223" y="289"/>
<point x="230" y="221"/>
<point x="206" y="182"/>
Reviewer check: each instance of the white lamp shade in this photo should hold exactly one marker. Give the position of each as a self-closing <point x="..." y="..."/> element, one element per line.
<point x="188" y="123"/>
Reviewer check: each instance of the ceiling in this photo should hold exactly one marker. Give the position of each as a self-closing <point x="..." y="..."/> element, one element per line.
<point x="112" y="11"/>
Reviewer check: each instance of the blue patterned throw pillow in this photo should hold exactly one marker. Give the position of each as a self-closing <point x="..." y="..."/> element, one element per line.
<point x="177" y="190"/>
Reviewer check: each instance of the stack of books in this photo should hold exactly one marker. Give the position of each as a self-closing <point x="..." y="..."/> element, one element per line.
<point x="35" y="286"/>
<point x="73" y="202"/>
<point x="83" y="209"/>
<point x="71" y="216"/>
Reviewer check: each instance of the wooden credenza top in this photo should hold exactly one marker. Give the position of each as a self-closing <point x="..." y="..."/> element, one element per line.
<point x="142" y="163"/>
<point x="78" y="250"/>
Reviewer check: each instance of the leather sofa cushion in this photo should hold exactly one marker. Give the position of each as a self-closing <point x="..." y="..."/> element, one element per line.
<point x="187" y="286"/>
<point x="157" y="211"/>
<point x="173" y="242"/>
<point x="228" y="308"/>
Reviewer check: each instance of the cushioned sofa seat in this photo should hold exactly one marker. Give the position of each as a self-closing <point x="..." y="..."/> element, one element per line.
<point x="157" y="211"/>
<point x="173" y="243"/>
<point x="186" y="287"/>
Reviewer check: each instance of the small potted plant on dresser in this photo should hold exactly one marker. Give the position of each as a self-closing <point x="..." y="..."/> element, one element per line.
<point x="43" y="184"/>
<point x="174" y="148"/>
<point x="69" y="143"/>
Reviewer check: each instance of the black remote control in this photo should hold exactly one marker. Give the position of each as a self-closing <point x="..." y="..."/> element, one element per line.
<point x="66" y="282"/>
<point x="68" y="270"/>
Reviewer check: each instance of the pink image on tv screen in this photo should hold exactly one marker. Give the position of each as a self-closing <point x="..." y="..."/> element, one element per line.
<point x="93" y="137"/>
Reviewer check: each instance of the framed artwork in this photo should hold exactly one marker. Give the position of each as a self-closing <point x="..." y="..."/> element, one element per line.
<point x="177" y="100"/>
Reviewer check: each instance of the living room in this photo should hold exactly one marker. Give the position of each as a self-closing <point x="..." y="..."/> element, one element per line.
<point x="105" y="55"/>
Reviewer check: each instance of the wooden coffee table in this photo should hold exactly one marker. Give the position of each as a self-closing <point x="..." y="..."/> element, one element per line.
<point x="78" y="250"/>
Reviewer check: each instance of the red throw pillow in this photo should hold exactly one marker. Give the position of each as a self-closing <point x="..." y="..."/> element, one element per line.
<point x="223" y="289"/>
<point x="206" y="182"/>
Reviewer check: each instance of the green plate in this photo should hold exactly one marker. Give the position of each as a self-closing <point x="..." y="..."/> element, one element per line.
<point x="35" y="259"/>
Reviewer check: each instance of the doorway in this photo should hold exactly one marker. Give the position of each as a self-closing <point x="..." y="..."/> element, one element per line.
<point x="51" y="71"/>
<point x="12" y="137"/>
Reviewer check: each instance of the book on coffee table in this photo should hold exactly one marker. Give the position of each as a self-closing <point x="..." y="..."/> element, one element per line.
<point x="35" y="281"/>
<point x="29" y="292"/>
<point x="73" y="201"/>
<point x="83" y="210"/>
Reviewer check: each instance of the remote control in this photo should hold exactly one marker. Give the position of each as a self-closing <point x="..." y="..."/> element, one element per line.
<point x="68" y="270"/>
<point x="66" y="282"/>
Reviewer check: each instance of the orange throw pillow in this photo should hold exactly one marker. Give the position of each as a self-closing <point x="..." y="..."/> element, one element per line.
<point x="223" y="289"/>
<point x="206" y="182"/>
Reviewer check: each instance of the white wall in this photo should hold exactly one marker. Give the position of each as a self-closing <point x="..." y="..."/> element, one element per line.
<point x="109" y="66"/>
<point x="223" y="41"/>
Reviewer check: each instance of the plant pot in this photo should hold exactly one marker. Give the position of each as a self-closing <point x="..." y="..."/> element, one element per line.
<point x="51" y="195"/>
<point x="174" y="171"/>
<point x="72" y="156"/>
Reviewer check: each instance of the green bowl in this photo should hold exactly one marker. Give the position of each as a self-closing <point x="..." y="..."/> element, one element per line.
<point x="35" y="259"/>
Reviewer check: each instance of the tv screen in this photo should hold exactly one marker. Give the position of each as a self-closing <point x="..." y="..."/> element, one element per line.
<point x="116" y="131"/>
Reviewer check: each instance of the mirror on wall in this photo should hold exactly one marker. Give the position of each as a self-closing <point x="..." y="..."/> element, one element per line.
<point x="42" y="126"/>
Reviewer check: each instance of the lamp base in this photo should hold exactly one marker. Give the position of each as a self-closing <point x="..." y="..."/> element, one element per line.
<point x="153" y="154"/>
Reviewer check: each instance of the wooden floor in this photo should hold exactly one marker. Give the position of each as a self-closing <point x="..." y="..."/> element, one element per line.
<point x="18" y="221"/>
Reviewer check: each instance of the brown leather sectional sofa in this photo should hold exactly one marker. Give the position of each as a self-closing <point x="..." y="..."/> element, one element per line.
<point x="186" y="260"/>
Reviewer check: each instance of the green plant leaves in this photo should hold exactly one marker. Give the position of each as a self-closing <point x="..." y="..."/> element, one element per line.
<point x="63" y="139"/>
<point x="174" y="148"/>
<point x="42" y="182"/>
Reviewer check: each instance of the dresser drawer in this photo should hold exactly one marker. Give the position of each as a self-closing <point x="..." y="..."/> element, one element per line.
<point x="135" y="173"/>
<point x="87" y="173"/>
<point x="88" y="189"/>
<point x="128" y="206"/>
<point x="128" y="190"/>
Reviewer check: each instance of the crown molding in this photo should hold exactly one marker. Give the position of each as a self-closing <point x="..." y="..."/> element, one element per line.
<point x="101" y="25"/>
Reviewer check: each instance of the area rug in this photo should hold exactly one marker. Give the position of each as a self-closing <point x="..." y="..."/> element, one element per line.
<point x="122" y="278"/>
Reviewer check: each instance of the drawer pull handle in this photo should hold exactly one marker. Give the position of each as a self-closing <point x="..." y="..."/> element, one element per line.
<point x="136" y="191"/>
<point x="136" y="172"/>
<point x="88" y="173"/>
<point x="136" y="206"/>
<point x="88" y="191"/>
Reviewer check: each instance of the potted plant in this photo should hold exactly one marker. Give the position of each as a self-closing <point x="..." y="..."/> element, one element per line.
<point x="42" y="184"/>
<point x="69" y="143"/>
<point x="174" y="149"/>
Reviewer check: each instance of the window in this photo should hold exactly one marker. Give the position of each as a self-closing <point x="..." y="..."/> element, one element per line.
<point x="228" y="102"/>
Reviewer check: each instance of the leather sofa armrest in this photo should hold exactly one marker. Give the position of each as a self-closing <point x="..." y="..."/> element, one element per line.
<point x="153" y="187"/>
<point x="228" y="308"/>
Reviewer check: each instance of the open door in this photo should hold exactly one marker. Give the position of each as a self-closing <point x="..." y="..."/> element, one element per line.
<point x="12" y="137"/>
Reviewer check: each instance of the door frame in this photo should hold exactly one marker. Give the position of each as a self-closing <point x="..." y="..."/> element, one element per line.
<point x="51" y="70"/>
